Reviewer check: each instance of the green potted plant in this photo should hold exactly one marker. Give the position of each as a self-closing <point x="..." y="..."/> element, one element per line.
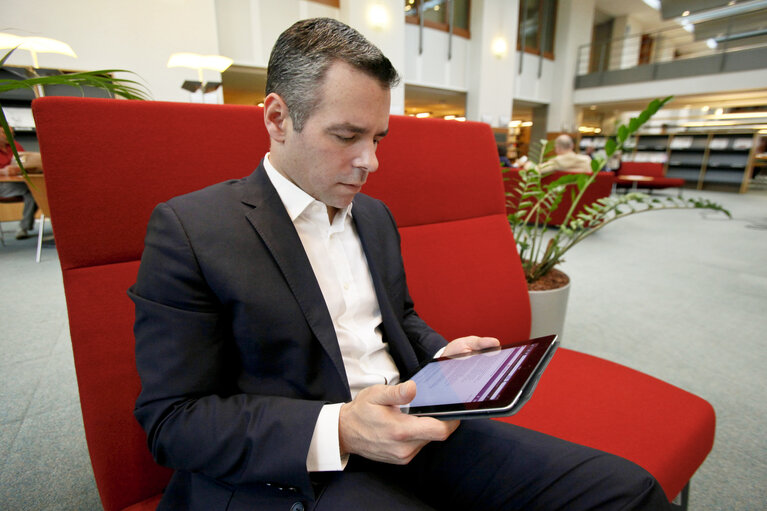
<point x="102" y="79"/>
<point x="542" y="248"/>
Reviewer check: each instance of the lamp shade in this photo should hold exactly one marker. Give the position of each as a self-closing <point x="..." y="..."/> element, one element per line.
<point x="35" y="44"/>
<point x="196" y="61"/>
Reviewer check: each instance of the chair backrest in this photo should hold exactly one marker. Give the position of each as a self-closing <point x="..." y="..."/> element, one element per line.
<point x="641" y="168"/>
<point x="442" y="181"/>
<point x="109" y="162"/>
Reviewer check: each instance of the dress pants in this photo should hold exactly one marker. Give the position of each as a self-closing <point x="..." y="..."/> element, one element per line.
<point x="488" y="465"/>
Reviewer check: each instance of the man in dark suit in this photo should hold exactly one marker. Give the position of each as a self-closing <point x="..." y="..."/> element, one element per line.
<point x="274" y="324"/>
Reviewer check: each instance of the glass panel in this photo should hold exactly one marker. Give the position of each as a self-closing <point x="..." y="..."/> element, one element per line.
<point x="411" y="9"/>
<point x="549" y="23"/>
<point x="435" y="10"/>
<point x="529" y="24"/>
<point x="461" y="14"/>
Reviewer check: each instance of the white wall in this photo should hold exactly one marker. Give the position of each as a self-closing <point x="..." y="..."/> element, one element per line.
<point x="575" y="19"/>
<point x="138" y="36"/>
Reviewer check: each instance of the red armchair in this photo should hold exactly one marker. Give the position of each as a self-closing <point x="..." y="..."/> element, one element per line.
<point x="600" y="188"/>
<point x="111" y="161"/>
<point x="653" y="171"/>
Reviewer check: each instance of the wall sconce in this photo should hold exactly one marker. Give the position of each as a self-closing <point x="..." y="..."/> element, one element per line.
<point x="35" y="45"/>
<point x="499" y="47"/>
<point x="378" y="16"/>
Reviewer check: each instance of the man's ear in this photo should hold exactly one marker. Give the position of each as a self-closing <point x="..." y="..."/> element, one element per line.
<point x="276" y="117"/>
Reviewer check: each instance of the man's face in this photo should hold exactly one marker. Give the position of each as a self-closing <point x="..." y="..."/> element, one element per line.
<point x="332" y="156"/>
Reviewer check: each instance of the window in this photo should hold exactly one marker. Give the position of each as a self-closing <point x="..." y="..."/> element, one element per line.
<point x="537" y="24"/>
<point x="436" y="14"/>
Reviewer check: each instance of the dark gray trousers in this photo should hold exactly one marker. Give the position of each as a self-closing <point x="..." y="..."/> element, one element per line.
<point x="488" y="465"/>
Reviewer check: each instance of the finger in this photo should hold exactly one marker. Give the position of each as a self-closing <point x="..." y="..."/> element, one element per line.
<point x="431" y="429"/>
<point x="486" y="342"/>
<point x="400" y="394"/>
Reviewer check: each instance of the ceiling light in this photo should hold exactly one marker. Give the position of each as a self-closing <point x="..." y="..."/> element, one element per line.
<point x="655" y="4"/>
<point x="422" y="115"/>
<point x="705" y="108"/>
<point x="711" y="43"/>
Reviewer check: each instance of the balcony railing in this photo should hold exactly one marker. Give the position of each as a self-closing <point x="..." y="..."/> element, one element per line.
<point x="669" y="53"/>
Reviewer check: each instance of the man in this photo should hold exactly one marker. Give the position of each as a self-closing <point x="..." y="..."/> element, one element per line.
<point x="9" y="167"/>
<point x="566" y="159"/>
<point x="274" y="324"/>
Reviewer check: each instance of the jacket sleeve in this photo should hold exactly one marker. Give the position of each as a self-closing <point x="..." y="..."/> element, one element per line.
<point x="190" y="405"/>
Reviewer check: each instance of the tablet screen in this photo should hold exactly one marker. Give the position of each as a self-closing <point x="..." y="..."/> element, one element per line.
<point x="485" y="380"/>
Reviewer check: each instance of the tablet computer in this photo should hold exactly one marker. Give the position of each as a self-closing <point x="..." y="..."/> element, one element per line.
<point x="494" y="382"/>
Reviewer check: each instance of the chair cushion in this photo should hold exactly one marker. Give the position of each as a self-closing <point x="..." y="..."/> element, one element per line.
<point x="594" y="402"/>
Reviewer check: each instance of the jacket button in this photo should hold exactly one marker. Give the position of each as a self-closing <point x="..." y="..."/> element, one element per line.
<point x="298" y="506"/>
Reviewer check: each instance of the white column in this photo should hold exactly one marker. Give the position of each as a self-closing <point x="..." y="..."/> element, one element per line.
<point x="574" y="24"/>
<point x="490" y="86"/>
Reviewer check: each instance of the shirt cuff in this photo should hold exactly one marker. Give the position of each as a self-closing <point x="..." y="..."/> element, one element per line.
<point x="440" y="352"/>
<point x="324" y="450"/>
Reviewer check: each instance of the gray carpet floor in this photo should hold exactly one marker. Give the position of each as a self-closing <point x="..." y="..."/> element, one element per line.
<point x="681" y="295"/>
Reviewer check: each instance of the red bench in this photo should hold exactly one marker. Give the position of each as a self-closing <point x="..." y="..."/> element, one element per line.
<point x="651" y="175"/>
<point x="112" y="161"/>
<point x="600" y="188"/>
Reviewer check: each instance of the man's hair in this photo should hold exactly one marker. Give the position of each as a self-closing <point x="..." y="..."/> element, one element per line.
<point x="304" y="52"/>
<point x="564" y="143"/>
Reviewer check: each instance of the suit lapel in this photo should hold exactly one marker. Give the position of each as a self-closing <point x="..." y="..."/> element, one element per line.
<point x="271" y="221"/>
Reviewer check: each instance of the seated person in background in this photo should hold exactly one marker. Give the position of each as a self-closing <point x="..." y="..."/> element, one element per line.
<point x="274" y="328"/>
<point x="9" y="167"/>
<point x="566" y="159"/>
<point x="505" y="162"/>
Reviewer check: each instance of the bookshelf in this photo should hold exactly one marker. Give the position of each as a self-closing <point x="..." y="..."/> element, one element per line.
<point x="723" y="159"/>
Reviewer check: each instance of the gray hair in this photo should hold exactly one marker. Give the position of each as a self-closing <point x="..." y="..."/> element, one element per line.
<point x="564" y="143"/>
<point x="303" y="53"/>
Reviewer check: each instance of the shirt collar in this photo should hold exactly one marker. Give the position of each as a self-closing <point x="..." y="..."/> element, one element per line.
<point x="294" y="198"/>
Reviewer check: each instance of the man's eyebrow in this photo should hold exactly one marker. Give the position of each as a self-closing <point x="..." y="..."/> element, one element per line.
<point x="352" y="128"/>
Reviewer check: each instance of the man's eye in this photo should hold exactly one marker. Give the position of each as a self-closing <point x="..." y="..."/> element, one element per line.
<point x="344" y="139"/>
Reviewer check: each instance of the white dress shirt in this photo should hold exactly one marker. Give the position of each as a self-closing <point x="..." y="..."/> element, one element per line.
<point x="341" y="268"/>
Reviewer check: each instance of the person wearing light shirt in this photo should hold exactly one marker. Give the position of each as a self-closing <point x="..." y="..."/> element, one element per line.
<point x="275" y="332"/>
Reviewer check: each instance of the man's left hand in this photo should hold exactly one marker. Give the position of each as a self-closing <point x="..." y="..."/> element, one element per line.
<point x="470" y="343"/>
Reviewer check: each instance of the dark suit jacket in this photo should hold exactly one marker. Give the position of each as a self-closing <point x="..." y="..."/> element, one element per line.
<point x="235" y="347"/>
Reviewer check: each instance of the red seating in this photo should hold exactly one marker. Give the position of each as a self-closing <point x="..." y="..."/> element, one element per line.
<point x="111" y="161"/>
<point x="600" y="188"/>
<point x="649" y="169"/>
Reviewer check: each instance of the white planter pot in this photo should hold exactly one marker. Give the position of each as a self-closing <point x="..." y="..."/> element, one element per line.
<point x="547" y="311"/>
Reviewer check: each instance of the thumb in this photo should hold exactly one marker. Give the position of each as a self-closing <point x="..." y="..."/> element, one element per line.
<point x="400" y="394"/>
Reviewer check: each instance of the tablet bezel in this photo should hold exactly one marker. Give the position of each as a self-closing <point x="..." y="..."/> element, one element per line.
<point x="516" y="392"/>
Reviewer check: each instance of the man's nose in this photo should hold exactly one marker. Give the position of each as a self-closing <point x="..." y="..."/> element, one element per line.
<point x="367" y="159"/>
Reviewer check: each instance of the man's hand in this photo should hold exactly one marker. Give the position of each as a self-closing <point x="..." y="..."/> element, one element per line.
<point x="471" y="343"/>
<point x="372" y="425"/>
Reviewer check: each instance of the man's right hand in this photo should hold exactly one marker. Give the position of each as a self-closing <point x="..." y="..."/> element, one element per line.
<point x="372" y="425"/>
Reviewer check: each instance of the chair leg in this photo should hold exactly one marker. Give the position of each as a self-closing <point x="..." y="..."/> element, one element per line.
<point x="40" y="237"/>
<point x="683" y="499"/>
